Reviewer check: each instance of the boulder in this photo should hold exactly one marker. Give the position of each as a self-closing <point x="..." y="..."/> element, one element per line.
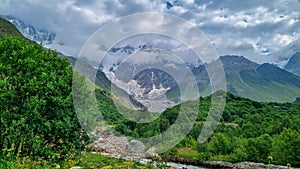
<point x="135" y="146"/>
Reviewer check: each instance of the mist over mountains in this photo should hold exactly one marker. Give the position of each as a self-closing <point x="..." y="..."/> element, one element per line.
<point x="261" y="82"/>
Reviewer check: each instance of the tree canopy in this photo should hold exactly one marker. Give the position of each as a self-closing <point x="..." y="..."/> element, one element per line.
<point x="37" y="116"/>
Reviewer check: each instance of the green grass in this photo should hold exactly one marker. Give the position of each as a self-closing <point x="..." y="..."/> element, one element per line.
<point x="7" y="28"/>
<point x="86" y="161"/>
<point x="228" y="158"/>
<point x="187" y="153"/>
<point x="273" y="91"/>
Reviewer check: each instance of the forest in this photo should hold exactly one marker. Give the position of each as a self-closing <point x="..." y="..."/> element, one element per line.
<point x="248" y="131"/>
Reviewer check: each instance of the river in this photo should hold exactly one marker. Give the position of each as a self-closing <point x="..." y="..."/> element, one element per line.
<point x="147" y="161"/>
<point x="183" y="166"/>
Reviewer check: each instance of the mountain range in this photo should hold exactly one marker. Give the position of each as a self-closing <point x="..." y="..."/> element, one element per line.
<point x="39" y="36"/>
<point x="261" y="82"/>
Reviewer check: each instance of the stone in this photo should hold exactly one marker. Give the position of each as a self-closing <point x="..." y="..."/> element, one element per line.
<point x="135" y="146"/>
<point x="151" y="153"/>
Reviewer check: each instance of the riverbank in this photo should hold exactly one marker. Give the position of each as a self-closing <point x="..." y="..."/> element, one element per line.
<point x="182" y="163"/>
<point x="225" y="165"/>
<point x="133" y="150"/>
<point x="241" y="165"/>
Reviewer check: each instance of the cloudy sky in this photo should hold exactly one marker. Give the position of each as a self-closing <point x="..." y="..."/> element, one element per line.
<point x="262" y="31"/>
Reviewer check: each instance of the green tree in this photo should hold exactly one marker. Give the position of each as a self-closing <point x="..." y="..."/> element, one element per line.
<point x="37" y="116"/>
<point x="240" y="152"/>
<point x="203" y="151"/>
<point x="286" y="147"/>
<point x="263" y="144"/>
<point x="219" y="144"/>
<point x="164" y="124"/>
<point x="188" y="142"/>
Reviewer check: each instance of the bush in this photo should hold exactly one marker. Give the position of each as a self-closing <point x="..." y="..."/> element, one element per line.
<point x="37" y="116"/>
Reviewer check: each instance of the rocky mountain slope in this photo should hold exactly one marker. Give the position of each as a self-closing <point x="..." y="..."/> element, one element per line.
<point x="39" y="36"/>
<point x="293" y="64"/>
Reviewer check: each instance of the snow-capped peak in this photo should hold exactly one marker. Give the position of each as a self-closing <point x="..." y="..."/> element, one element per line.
<point x="39" y="36"/>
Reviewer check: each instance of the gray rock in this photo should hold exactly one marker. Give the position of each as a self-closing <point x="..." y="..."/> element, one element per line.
<point x="135" y="146"/>
<point x="110" y="144"/>
<point x="151" y="153"/>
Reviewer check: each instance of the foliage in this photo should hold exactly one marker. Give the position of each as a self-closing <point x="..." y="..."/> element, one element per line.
<point x="188" y="153"/>
<point x="38" y="120"/>
<point x="86" y="160"/>
<point x="286" y="147"/>
<point x="37" y="116"/>
<point x="248" y="131"/>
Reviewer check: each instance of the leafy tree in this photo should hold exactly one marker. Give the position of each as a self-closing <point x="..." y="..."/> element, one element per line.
<point x="286" y="147"/>
<point x="263" y="144"/>
<point x="203" y="151"/>
<point x="240" y="153"/>
<point x="164" y="124"/>
<point x="37" y="117"/>
<point x="188" y="142"/>
<point x="219" y="144"/>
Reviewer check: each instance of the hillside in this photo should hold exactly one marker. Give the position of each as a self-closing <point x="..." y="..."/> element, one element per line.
<point x="7" y="28"/>
<point x="264" y="82"/>
<point x="248" y="131"/>
<point x="39" y="36"/>
<point x="261" y="82"/>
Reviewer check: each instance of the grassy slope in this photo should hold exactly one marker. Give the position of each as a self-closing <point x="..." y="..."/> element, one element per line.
<point x="86" y="160"/>
<point x="7" y="28"/>
<point x="273" y="91"/>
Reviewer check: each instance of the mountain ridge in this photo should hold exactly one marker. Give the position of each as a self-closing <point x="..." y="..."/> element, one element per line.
<point x="264" y="82"/>
<point x="39" y="36"/>
<point x="293" y="64"/>
<point x="244" y="78"/>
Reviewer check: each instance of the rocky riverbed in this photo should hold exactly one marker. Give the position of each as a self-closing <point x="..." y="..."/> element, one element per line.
<point x="134" y="150"/>
<point x="241" y="165"/>
<point x="121" y="146"/>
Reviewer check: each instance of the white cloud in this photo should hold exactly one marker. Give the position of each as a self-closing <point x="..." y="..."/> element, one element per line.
<point x="283" y="40"/>
<point x="264" y="31"/>
<point x="189" y="2"/>
<point x="179" y="10"/>
<point x="64" y="5"/>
